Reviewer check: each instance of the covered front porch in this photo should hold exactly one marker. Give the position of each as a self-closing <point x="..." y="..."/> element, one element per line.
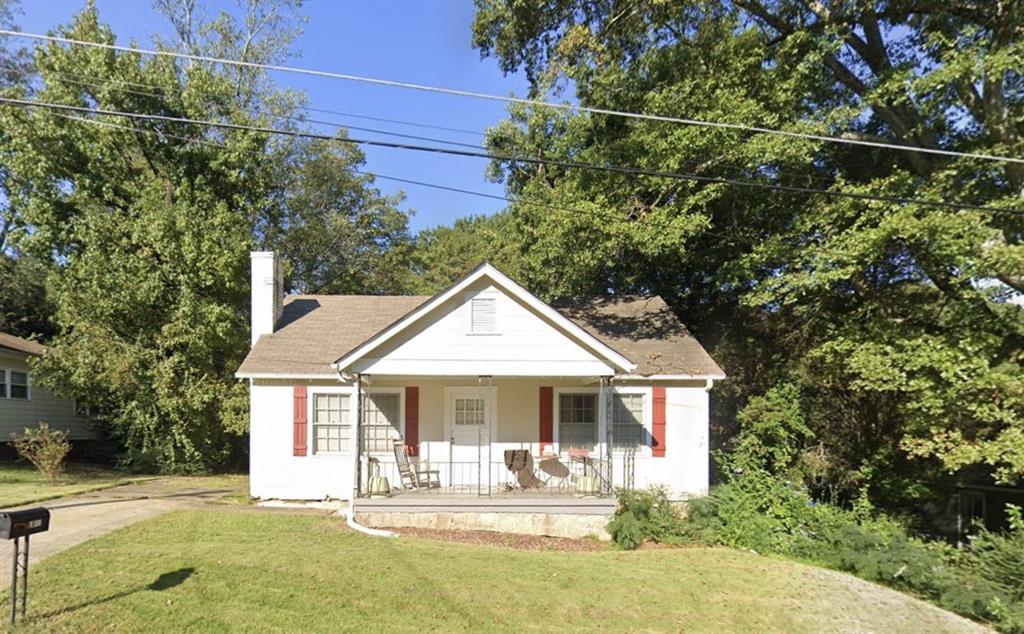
<point x="446" y="442"/>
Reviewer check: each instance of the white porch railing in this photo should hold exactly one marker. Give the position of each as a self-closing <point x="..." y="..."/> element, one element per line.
<point x="548" y="476"/>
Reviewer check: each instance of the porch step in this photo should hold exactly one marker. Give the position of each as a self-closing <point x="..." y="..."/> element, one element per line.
<point x="430" y="503"/>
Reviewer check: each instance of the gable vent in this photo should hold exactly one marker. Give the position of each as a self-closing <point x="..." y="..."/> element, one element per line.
<point x="484" y="315"/>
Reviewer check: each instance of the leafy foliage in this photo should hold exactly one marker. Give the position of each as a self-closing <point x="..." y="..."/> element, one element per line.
<point x="26" y="309"/>
<point x="45" y="448"/>
<point x="444" y="254"/>
<point x="981" y="582"/>
<point x="643" y="515"/>
<point x="335" y="230"/>
<point x="145" y="227"/>
<point x="893" y="320"/>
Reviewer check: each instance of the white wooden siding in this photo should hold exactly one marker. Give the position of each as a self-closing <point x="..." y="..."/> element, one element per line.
<point x="275" y="473"/>
<point x="522" y="344"/>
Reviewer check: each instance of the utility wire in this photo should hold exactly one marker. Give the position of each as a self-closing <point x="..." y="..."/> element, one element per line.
<point x="353" y="170"/>
<point x="294" y="118"/>
<point x="632" y="171"/>
<point x="518" y="100"/>
<point x="75" y="78"/>
<point x="99" y="83"/>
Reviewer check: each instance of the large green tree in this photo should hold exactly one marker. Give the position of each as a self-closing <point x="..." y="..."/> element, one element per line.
<point x="336" y="231"/>
<point x="445" y="254"/>
<point x="149" y="224"/>
<point x="897" y="321"/>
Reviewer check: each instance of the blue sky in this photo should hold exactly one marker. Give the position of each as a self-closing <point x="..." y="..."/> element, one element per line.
<point x="418" y="41"/>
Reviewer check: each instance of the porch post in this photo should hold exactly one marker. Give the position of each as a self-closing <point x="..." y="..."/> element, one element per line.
<point x="356" y="441"/>
<point x="607" y="394"/>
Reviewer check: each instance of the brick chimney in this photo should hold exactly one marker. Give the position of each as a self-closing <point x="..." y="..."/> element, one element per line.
<point x="267" y="293"/>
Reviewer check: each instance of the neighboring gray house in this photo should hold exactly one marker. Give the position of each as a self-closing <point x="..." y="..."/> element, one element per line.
<point x="23" y="404"/>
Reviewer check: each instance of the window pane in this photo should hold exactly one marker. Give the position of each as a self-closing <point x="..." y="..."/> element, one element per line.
<point x="382" y="424"/>
<point x="627" y="418"/>
<point x="330" y="423"/>
<point x="577" y="416"/>
<point x="18" y="384"/>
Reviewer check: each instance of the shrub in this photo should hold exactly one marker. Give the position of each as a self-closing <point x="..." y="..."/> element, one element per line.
<point x="45" y="448"/>
<point x="645" y="514"/>
<point x="770" y="515"/>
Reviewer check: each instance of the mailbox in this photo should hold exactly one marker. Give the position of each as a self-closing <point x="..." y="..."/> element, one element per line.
<point x="15" y="524"/>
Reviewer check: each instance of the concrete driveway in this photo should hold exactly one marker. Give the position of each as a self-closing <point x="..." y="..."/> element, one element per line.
<point x="79" y="518"/>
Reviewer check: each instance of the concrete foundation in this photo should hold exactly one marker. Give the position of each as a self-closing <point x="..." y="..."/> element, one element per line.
<point x="572" y="525"/>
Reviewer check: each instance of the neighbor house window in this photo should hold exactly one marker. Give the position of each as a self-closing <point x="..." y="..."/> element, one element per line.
<point x="628" y="421"/>
<point x="331" y="423"/>
<point x="382" y="424"/>
<point x="15" y="384"/>
<point x="577" y="421"/>
<point x="484" y="318"/>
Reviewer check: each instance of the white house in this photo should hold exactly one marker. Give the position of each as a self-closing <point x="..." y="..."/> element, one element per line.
<point x="24" y="404"/>
<point x="487" y="390"/>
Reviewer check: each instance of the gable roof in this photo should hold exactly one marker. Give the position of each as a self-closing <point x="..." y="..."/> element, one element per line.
<point x="647" y="331"/>
<point x="315" y="330"/>
<point x="596" y="346"/>
<point x="21" y="345"/>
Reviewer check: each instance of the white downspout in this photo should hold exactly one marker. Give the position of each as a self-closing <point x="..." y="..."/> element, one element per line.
<point x="350" y="518"/>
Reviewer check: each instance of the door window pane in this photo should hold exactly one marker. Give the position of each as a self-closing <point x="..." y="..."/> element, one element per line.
<point x="469" y="411"/>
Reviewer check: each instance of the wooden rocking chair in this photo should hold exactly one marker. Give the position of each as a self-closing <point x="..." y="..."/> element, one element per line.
<point x="414" y="477"/>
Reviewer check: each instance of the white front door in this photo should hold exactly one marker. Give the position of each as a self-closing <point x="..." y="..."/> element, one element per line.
<point x="469" y="423"/>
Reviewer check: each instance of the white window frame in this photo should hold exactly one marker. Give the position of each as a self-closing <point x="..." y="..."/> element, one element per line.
<point x="312" y="393"/>
<point x="602" y="415"/>
<point x="489" y="294"/>
<point x="5" y="375"/>
<point x="557" y="407"/>
<point x="647" y="418"/>
<point x="400" y="391"/>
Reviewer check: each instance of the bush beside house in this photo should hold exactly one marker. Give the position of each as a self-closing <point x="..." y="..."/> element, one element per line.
<point x="45" y="448"/>
<point x="984" y="581"/>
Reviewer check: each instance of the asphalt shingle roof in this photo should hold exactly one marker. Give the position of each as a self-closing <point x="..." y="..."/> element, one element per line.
<point x="316" y="330"/>
<point x="21" y="345"/>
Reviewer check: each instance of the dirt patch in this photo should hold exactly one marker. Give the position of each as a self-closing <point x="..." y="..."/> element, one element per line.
<point x="504" y="540"/>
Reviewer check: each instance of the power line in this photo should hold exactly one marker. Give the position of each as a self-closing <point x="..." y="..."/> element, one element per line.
<point x="519" y="100"/>
<point x="75" y="78"/>
<point x="67" y="77"/>
<point x="353" y="170"/>
<point x="288" y="117"/>
<point x="631" y="171"/>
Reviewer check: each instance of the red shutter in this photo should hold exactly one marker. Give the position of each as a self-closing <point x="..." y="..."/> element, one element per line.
<point x="299" y="422"/>
<point x="658" y="424"/>
<point x="547" y="418"/>
<point x="412" y="420"/>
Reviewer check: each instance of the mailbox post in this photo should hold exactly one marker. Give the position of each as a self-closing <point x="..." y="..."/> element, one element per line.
<point x="19" y="525"/>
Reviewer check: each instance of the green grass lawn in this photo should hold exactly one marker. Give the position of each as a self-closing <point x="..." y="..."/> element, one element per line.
<point x="20" y="483"/>
<point x="238" y="570"/>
